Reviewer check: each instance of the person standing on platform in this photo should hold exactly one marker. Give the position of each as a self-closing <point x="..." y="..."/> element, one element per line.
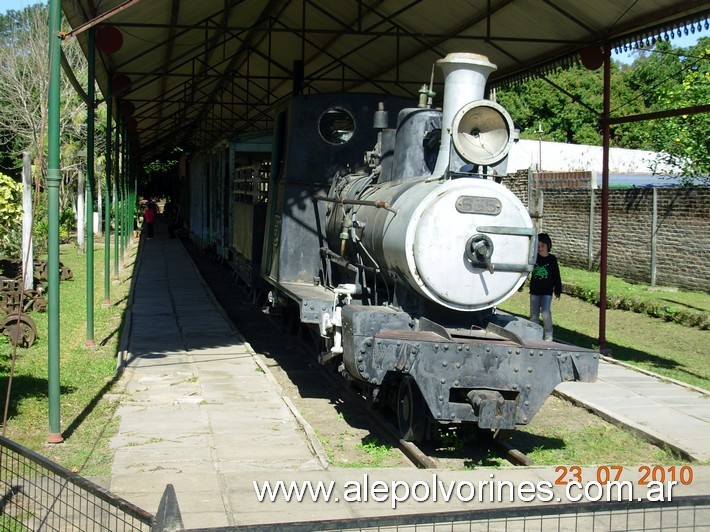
<point x="545" y="281"/>
<point x="149" y="218"/>
<point x="168" y="211"/>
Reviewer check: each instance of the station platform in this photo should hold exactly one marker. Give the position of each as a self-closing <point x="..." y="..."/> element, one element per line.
<point x="199" y="410"/>
<point x="659" y="410"/>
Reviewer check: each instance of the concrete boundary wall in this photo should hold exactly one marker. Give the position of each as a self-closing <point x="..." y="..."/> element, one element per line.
<point x="682" y="233"/>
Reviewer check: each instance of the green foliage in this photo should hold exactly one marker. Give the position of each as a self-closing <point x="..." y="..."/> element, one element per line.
<point x="538" y="104"/>
<point x="662" y="78"/>
<point x="160" y="175"/>
<point x="668" y="78"/>
<point x="375" y="449"/>
<point x="24" y="76"/>
<point x="10" y="217"/>
<point x="5" y="347"/>
<point x="40" y="228"/>
<point x="685" y="137"/>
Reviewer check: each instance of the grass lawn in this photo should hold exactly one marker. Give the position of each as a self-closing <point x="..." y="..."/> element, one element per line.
<point x="86" y="373"/>
<point x="670" y="304"/>
<point x="698" y="301"/>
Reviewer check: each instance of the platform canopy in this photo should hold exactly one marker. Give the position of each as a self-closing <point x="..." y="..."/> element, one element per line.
<point x="195" y="72"/>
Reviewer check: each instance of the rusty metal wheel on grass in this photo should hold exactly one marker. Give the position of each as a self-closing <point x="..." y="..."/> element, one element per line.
<point x="20" y="329"/>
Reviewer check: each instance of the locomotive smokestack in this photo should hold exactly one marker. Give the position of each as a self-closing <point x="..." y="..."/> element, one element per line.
<point x="465" y="77"/>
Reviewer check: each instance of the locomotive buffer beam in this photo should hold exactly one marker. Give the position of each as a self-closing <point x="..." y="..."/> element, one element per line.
<point x="495" y="382"/>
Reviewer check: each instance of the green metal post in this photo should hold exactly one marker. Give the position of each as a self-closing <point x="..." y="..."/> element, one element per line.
<point x="130" y="208"/>
<point x="121" y="199"/>
<point x="124" y="223"/>
<point x="131" y="193"/>
<point x="124" y="183"/>
<point x="116" y="212"/>
<point x="126" y="204"/>
<point x="127" y="198"/>
<point x="107" y="205"/>
<point x="90" y="196"/>
<point x="53" y="181"/>
<point x="134" y="196"/>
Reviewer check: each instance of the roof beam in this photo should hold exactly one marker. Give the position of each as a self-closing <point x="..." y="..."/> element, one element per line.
<point x="271" y="5"/>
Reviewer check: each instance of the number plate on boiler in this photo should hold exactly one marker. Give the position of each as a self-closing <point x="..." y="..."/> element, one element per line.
<point x="478" y="205"/>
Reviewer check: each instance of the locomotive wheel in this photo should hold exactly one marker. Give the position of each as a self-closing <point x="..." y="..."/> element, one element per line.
<point x="411" y="410"/>
<point x="20" y="329"/>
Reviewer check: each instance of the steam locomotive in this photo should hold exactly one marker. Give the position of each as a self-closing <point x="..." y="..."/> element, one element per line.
<point x="396" y="244"/>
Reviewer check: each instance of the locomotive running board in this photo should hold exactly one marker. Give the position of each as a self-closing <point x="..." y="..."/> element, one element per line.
<point x="312" y="299"/>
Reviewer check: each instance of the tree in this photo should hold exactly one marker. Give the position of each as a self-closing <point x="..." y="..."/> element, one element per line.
<point x="159" y="175"/>
<point x="24" y="85"/>
<point x="571" y="115"/>
<point x="682" y="80"/>
<point x="661" y="78"/>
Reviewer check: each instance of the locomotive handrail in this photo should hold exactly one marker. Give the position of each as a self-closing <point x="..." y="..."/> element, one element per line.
<point x="345" y="263"/>
<point x="515" y="231"/>
<point x="504" y="267"/>
<point x="366" y="203"/>
<point x="499" y="230"/>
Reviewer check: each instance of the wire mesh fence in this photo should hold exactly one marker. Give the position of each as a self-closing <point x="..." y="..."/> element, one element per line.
<point x="681" y="514"/>
<point x="38" y="494"/>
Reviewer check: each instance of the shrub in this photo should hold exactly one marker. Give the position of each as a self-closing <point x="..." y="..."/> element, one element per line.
<point x="5" y="348"/>
<point x="10" y="217"/>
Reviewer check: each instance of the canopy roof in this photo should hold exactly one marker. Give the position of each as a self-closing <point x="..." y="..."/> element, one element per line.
<point x="194" y="72"/>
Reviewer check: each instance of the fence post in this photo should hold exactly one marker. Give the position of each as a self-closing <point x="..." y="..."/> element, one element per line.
<point x="168" y="518"/>
<point x="27" y="214"/>
<point x="654" y="228"/>
<point x="590" y="234"/>
<point x="80" y="209"/>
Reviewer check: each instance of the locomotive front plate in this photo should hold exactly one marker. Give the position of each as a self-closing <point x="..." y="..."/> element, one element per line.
<point x="478" y="205"/>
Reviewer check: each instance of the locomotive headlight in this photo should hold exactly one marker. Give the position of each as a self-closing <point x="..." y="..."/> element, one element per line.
<point x="482" y="132"/>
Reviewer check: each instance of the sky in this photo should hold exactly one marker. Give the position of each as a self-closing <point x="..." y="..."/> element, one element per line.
<point x="17" y="5"/>
<point x="626" y="57"/>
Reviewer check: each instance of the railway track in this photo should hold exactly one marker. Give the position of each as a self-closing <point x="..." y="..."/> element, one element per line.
<point x="412" y="451"/>
<point x="277" y="338"/>
<point x="416" y="455"/>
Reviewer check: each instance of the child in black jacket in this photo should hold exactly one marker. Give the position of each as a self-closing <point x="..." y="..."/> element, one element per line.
<point x="544" y="282"/>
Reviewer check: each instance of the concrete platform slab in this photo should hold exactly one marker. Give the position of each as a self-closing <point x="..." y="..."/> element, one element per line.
<point x="663" y="411"/>
<point x="196" y="400"/>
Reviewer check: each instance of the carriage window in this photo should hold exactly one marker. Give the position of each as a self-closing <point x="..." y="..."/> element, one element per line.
<point x="336" y="125"/>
